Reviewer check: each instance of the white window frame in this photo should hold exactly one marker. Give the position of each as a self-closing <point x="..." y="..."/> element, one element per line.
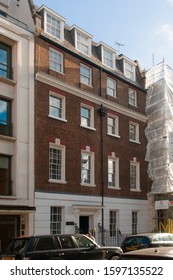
<point x="113" y="221"/>
<point x="132" y="97"/>
<point x="113" y="130"/>
<point x="63" y="107"/>
<point x="55" y="220"/>
<point x="134" y="132"/>
<point x="110" y="87"/>
<point x="85" y="169"/>
<point x="83" y="42"/>
<point x="134" y="176"/>
<point x="85" y="75"/>
<point x="56" y="60"/>
<point x="129" y="70"/>
<point x="83" y="119"/>
<point x="108" y="57"/>
<point x="61" y="148"/>
<point x="114" y="160"/>
<point x="134" y="222"/>
<point x="54" y="18"/>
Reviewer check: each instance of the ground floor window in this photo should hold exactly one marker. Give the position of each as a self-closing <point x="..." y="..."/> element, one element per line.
<point x="134" y="222"/>
<point x="112" y="222"/>
<point x="55" y="220"/>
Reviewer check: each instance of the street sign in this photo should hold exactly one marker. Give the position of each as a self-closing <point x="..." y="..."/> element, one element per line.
<point x="161" y="204"/>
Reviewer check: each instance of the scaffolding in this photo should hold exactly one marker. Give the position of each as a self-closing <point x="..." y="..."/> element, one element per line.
<point x="159" y="130"/>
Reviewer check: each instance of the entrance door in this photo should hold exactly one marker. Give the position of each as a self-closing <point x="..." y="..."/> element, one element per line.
<point x="9" y="228"/>
<point x="84" y="224"/>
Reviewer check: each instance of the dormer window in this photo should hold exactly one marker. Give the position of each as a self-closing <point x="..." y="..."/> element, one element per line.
<point x="108" y="55"/>
<point x="82" y="40"/>
<point x="129" y="70"/>
<point x="53" y="23"/>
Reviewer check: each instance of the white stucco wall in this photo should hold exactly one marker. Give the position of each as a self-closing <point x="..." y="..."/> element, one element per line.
<point x="72" y="209"/>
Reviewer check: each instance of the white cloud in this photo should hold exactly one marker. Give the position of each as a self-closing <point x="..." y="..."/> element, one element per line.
<point x="166" y="32"/>
<point x="170" y="2"/>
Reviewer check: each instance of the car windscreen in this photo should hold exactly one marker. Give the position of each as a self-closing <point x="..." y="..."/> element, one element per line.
<point x="163" y="237"/>
<point x="16" y="246"/>
<point x="84" y="242"/>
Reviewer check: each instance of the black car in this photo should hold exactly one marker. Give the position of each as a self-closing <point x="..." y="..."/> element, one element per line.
<point x="158" y="253"/>
<point x="146" y="240"/>
<point x="58" y="247"/>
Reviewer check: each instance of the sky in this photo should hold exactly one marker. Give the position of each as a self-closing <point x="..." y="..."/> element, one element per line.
<point x="139" y="29"/>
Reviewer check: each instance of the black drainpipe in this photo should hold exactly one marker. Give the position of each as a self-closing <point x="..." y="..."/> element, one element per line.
<point x="102" y="113"/>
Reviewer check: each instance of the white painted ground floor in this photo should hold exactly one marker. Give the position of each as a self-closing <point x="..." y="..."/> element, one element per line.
<point x="63" y="213"/>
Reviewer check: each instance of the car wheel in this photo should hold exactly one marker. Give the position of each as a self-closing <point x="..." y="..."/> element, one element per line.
<point x="115" y="257"/>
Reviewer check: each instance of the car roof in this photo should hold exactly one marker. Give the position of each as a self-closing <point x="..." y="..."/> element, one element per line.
<point x="149" y="234"/>
<point x="158" y="251"/>
<point x="45" y="235"/>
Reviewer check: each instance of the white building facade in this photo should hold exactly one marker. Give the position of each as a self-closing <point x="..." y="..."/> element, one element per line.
<point x="16" y="119"/>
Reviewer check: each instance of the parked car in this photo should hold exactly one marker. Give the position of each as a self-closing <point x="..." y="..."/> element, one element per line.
<point x="146" y="240"/>
<point x="60" y="247"/>
<point x="158" y="253"/>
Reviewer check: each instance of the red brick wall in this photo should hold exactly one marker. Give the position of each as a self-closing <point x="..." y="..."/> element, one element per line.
<point x="75" y="137"/>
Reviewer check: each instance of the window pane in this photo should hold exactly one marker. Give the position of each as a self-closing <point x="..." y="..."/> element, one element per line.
<point x="108" y="58"/>
<point x="132" y="132"/>
<point x="55" y="61"/>
<point x="111" y="172"/>
<point x="111" y="125"/>
<point x="85" y="75"/>
<point x="134" y="222"/>
<point x="85" y="117"/>
<point x="129" y="71"/>
<point x="82" y="43"/>
<point x="111" y="87"/>
<point x="55" y="164"/>
<point x="53" y="26"/>
<point x="133" y="176"/>
<point x="55" y="108"/>
<point x="55" y="220"/>
<point x="132" y="97"/>
<point x="112" y="222"/>
<point x="86" y="168"/>
<point x="5" y="61"/>
<point x="5" y="119"/>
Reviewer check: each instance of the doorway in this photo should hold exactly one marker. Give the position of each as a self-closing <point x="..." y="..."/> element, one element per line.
<point x="84" y="224"/>
<point x="9" y="228"/>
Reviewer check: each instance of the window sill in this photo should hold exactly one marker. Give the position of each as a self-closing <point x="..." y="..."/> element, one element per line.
<point x="56" y="71"/>
<point x="83" y="84"/>
<point x="58" y="119"/>
<point x="87" y="127"/>
<point x="132" y="105"/>
<point x="9" y="138"/>
<point x="136" y="142"/>
<point x="8" y="81"/>
<point x="135" y="190"/>
<point x="57" y="181"/>
<point x="87" y="185"/>
<point x="8" y="197"/>
<point x="114" y="135"/>
<point x="114" y="188"/>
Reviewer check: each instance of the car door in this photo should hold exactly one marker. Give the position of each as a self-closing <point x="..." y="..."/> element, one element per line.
<point x="44" y="248"/>
<point x="69" y="250"/>
<point x="87" y="249"/>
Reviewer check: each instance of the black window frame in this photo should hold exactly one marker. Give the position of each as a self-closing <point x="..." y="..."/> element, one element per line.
<point x="8" y="188"/>
<point x="6" y="128"/>
<point x="7" y="67"/>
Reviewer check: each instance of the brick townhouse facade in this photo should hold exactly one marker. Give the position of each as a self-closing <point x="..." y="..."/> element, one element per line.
<point x="90" y="168"/>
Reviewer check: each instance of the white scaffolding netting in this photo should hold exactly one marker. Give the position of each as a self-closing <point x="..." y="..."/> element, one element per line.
<point x="159" y="110"/>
